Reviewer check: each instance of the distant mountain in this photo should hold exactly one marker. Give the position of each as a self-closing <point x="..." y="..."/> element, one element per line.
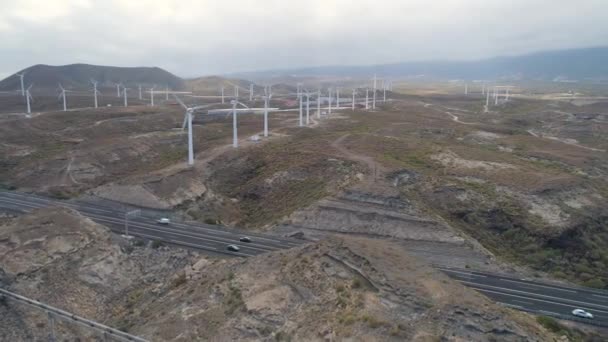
<point x="575" y="64"/>
<point x="78" y="76"/>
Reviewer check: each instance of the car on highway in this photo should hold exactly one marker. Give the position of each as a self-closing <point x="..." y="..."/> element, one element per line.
<point x="582" y="313"/>
<point x="245" y="239"/>
<point x="163" y="220"/>
<point x="233" y="248"/>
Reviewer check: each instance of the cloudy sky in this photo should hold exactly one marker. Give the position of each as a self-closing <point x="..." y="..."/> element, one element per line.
<point x="200" y="37"/>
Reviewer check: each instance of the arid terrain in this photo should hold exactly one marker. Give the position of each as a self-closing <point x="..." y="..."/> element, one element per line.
<point x="424" y="179"/>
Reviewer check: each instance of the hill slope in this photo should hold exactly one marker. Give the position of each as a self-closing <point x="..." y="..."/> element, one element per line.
<point x="572" y="64"/>
<point x="79" y="75"/>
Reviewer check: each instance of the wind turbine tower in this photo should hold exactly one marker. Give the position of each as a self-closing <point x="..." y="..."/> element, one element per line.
<point x="329" y="98"/>
<point x="152" y="96"/>
<point x="21" y="75"/>
<point x="167" y="92"/>
<point x="124" y="92"/>
<point x="367" y="98"/>
<point x="62" y="95"/>
<point x="235" y="140"/>
<point x="266" y="100"/>
<point x="374" y="96"/>
<point x="140" y="91"/>
<point x="466" y="89"/>
<point x="118" y="90"/>
<point x="337" y="98"/>
<point x="319" y="103"/>
<point x="236" y="92"/>
<point x="307" y="108"/>
<point x="487" y="101"/>
<point x="222" y="94"/>
<point x="300" y="98"/>
<point x="353" y="104"/>
<point x="95" y="91"/>
<point x="28" y="97"/>
<point x="251" y="92"/>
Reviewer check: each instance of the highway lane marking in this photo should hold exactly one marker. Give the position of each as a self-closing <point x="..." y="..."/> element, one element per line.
<point x="468" y="274"/>
<point x="537" y="300"/>
<point x="133" y="224"/>
<point x="595" y="295"/>
<point x="550" y="312"/>
<point x="522" y="301"/>
<point x="52" y="201"/>
<point x="534" y="294"/>
<point x="535" y="285"/>
<point x="152" y="237"/>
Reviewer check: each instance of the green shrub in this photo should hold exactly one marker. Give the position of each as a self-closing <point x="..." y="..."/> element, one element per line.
<point x="595" y="282"/>
<point x="156" y="244"/>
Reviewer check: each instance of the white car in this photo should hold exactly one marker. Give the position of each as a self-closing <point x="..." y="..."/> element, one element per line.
<point x="582" y="313"/>
<point x="233" y="248"/>
<point x="163" y="220"/>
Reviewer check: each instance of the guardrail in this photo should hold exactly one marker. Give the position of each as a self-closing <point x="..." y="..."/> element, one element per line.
<point x="53" y="313"/>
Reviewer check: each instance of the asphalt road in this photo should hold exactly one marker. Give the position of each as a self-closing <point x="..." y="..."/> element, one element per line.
<point x="541" y="298"/>
<point x="209" y="238"/>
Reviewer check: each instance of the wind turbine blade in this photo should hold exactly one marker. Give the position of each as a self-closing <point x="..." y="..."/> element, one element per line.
<point x="185" y="121"/>
<point x="180" y="102"/>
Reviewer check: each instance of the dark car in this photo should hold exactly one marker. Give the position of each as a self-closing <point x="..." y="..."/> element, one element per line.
<point x="245" y="239"/>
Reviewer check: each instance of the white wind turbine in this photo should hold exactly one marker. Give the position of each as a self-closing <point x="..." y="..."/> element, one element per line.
<point x="95" y="91"/>
<point x="307" y="108"/>
<point x="167" y="92"/>
<point x="353" y="103"/>
<point x="366" y="98"/>
<point x="118" y="90"/>
<point x="29" y="97"/>
<point x="222" y="94"/>
<point x="21" y="75"/>
<point x="266" y="100"/>
<point x="250" y="92"/>
<point x="152" y="96"/>
<point x="337" y="98"/>
<point x="124" y="93"/>
<point x="329" y="101"/>
<point x="300" y="98"/>
<point x="374" y="96"/>
<point x="139" y="86"/>
<point x="319" y="103"/>
<point x="235" y="140"/>
<point x="62" y="95"/>
<point x="188" y="122"/>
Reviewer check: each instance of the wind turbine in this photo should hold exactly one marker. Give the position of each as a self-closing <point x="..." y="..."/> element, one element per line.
<point x="140" y="91"/>
<point x="384" y="89"/>
<point x="29" y="97"/>
<point x="266" y="100"/>
<point x="188" y="121"/>
<point x="250" y="92"/>
<point x="21" y="75"/>
<point x="62" y="95"/>
<point x="236" y="92"/>
<point x="300" y="98"/>
<point x="235" y="140"/>
<point x="329" y="101"/>
<point x="167" y="93"/>
<point x="337" y="98"/>
<point x="487" y="101"/>
<point x="367" y="98"/>
<point x="319" y="103"/>
<point x="466" y="89"/>
<point x="374" y="96"/>
<point x="307" y="108"/>
<point x="95" y="91"/>
<point x="118" y="90"/>
<point x="222" y="94"/>
<point x="152" y="96"/>
<point x="353" y="104"/>
<point x="124" y="92"/>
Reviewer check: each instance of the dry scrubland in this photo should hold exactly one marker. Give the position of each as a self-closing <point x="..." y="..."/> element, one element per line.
<point x="526" y="183"/>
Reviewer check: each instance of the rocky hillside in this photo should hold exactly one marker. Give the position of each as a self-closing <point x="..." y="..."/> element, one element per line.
<point x="365" y="289"/>
<point x="65" y="260"/>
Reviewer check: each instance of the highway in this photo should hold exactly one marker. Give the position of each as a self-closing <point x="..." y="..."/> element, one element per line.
<point x="541" y="298"/>
<point x="204" y="237"/>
